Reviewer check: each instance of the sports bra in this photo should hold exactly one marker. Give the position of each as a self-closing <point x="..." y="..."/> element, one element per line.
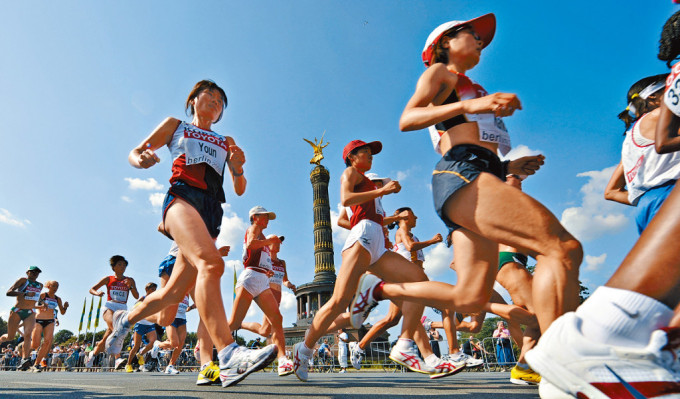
<point x="491" y="128"/>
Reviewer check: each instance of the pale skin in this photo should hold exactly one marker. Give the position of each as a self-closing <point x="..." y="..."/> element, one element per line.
<point x="198" y="262"/>
<point x="118" y="269"/>
<point x="14" y="320"/>
<point x="265" y="328"/>
<point x="266" y="299"/>
<point x="356" y="261"/>
<point x="44" y="313"/>
<point x="150" y="336"/>
<point x="489" y="211"/>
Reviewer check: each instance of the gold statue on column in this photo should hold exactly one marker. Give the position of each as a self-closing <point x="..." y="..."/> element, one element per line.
<point x="318" y="147"/>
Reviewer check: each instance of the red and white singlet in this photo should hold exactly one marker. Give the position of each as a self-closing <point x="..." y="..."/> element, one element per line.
<point x="116" y="290"/>
<point x="257" y="259"/>
<point x="370" y="210"/>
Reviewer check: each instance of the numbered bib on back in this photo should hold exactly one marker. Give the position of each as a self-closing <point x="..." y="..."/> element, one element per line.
<point x="671" y="96"/>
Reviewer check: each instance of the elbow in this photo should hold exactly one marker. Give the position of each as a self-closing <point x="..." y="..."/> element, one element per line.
<point x="405" y="125"/>
<point x="662" y="148"/>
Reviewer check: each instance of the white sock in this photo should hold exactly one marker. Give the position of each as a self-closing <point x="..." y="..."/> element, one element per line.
<point x="622" y="318"/>
<point x="306" y="351"/>
<point x="432" y="360"/>
<point x="404" y="344"/>
<point x="205" y="365"/>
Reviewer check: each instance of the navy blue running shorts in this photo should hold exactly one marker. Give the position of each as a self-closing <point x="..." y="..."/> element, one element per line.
<point x="207" y="205"/>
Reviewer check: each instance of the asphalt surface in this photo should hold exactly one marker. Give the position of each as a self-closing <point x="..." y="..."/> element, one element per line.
<point x="353" y="385"/>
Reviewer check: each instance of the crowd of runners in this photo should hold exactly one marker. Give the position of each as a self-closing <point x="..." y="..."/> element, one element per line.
<point x="621" y="342"/>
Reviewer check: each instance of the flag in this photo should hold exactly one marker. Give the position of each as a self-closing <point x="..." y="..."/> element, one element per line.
<point x="82" y="316"/>
<point x="96" y="319"/>
<point x="235" y="278"/>
<point x="89" y="317"/>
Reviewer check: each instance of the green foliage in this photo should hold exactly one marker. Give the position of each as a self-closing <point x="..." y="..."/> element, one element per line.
<point x="3" y="326"/>
<point x="240" y="340"/>
<point x="62" y="336"/>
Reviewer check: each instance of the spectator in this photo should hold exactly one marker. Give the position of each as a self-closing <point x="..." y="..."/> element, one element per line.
<point x="504" y="355"/>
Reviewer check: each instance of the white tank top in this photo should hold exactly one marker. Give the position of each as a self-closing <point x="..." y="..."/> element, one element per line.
<point x="279" y="272"/>
<point x="182" y="308"/>
<point x="401" y="250"/>
<point x="671" y="96"/>
<point x="643" y="167"/>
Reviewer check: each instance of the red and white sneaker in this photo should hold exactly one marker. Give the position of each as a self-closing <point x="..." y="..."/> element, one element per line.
<point x="363" y="301"/>
<point x="300" y="362"/>
<point x="285" y="367"/>
<point x="571" y="365"/>
<point x="409" y="358"/>
<point x="446" y="368"/>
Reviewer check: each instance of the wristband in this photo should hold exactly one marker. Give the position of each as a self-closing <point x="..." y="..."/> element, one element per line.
<point x="233" y="173"/>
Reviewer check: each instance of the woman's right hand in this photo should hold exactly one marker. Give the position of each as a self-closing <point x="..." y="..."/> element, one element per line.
<point x="437" y="238"/>
<point x="148" y="158"/>
<point x="99" y="293"/>
<point x="391" y="187"/>
<point x="500" y="104"/>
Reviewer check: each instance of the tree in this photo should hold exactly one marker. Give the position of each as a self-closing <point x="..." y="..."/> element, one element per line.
<point x="62" y="336"/>
<point x="3" y="326"/>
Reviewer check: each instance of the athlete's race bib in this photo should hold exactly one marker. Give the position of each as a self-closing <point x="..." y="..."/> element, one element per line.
<point x="492" y="130"/>
<point x="379" y="208"/>
<point x="265" y="259"/>
<point x="182" y="308"/>
<point x="671" y="96"/>
<point x="119" y="294"/>
<point x="32" y="293"/>
<point x="202" y="147"/>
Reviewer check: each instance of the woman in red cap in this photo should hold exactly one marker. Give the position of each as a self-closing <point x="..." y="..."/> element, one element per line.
<point x="365" y="251"/>
<point x="467" y="183"/>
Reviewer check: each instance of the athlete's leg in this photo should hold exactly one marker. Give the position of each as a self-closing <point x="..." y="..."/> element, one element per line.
<point x="12" y="326"/>
<point x="36" y="336"/>
<point x="180" y="334"/>
<point x="390" y="320"/>
<point x="150" y="338"/>
<point x="137" y="338"/>
<point x="264" y="329"/>
<point x="108" y="318"/>
<point x="48" y="336"/>
<point x="240" y="309"/>
<point x="270" y="307"/>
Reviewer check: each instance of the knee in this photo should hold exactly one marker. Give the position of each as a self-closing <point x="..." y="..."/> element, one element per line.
<point x="338" y="306"/>
<point x="212" y="267"/>
<point x="473" y="302"/>
<point x="475" y="327"/>
<point x="569" y="250"/>
<point x="275" y="319"/>
<point x="174" y="342"/>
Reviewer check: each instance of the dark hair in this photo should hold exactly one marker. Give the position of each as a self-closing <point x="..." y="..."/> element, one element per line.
<point x="149" y="285"/>
<point x="441" y="54"/>
<point x="198" y="89"/>
<point x="348" y="163"/>
<point x="117" y="258"/>
<point x="669" y="44"/>
<point x="641" y="105"/>
<point x="398" y="211"/>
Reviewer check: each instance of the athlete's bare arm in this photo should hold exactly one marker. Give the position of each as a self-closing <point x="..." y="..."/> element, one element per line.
<point x="143" y="156"/>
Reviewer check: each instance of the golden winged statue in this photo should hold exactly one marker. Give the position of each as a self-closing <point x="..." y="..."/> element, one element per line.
<point x="318" y="147"/>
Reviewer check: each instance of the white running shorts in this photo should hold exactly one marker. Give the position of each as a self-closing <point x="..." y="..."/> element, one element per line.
<point x="254" y="282"/>
<point x="370" y="235"/>
<point x="114" y="306"/>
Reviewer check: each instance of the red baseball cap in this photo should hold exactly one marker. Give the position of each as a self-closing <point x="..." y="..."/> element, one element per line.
<point x="376" y="147"/>
<point x="484" y="26"/>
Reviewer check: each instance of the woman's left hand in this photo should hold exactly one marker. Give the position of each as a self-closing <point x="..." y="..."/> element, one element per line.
<point x="526" y="165"/>
<point x="236" y="158"/>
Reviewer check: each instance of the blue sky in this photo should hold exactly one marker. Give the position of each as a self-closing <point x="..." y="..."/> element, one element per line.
<point x="82" y="83"/>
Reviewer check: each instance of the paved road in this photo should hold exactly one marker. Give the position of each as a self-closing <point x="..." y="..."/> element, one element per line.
<point x="473" y="385"/>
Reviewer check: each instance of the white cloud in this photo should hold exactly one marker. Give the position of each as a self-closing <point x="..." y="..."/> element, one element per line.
<point x="437" y="260"/>
<point x="288" y="301"/>
<point x="127" y="199"/>
<point x="156" y="200"/>
<point x="141" y="184"/>
<point x="519" y="152"/>
<point x="339" y="234"/>
<point x="7" y="218"/>
<point x="401" y="176"/>
<point x="596" y="216"/>
<point x="233" y="230"/>
<point x="593" y="263"/>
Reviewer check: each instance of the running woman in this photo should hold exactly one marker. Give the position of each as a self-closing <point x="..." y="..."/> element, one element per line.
<point x="118" y="289"/>
<point x="192" y="214"/>
<point x="27" y="291"/>
<point x="48" y="306"/>
<point x="142" y="328"/>
<point x="276" y="281"/>
<point x="643" y="178"/>
<point x="177" y="334"/>
<point x="408" y="246"/>
<point x="253" y="283"/>
<point x="468" y="185"/>
<point x="365" y="251"/>
<point x="617" y="342"/>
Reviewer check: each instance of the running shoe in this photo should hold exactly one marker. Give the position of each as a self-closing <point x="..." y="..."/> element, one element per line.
<point x="342" y="371"/>
<point x="363" y="301"/>
<point x="120" y="363"/>
<point x="171" y="370"/>
<point x="36" y="368"/>
<point x="300" y="362"/>
<point x="524" y="376"/>
<point x="209" y="374"/>
<point x="154" y="351"/>
<point x="90" y="360"/>
<point x="285" y="367"/>
<point x="140" y="359"/>
<point x="574" y="365"/>
<point x="446" y="368"/>
<point x="25" y="364"/>
<point x="43" y="363"/>
<point x="410" y="359"/>
<point x="470" y="361"/>
<point x="121" y="327"/>
<point x="356" y="354"/>
<point x="129" y="368"/>
<point x="244" y="361"/>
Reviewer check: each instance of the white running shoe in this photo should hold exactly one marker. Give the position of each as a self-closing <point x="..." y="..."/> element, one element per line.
<point x="244" y="361"/>
<point x="342" y="371"/>
<point x="464" y="357"/>
<point x="356" y="354"/>
<point x="120" y="363"/>
<point x="156" y="348"/>
<point x="300" y="362"/>
<point x="410" y="359"/>
<point x="121" y="327"/>
<point x="90" y="360"/>
<point x="171" y="369"/>
<point x="363" y="301"/>
<point x="285" y="367"/>
<point x="446" y="368"/>
<point x="574" y="365"/>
